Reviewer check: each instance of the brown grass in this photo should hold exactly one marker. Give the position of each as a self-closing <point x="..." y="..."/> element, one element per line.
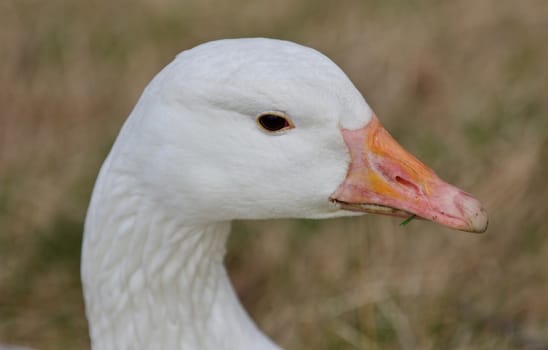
<point x="463" y="84"/>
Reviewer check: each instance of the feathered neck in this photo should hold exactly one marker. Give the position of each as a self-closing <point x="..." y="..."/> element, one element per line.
<point x="151" y="281"/>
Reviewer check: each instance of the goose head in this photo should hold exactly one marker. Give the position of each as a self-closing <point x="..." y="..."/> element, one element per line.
<point x="262" y="128"/>
<point x="235" y="129"/>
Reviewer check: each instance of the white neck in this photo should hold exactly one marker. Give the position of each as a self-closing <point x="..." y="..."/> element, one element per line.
<point x="152" y="281"/>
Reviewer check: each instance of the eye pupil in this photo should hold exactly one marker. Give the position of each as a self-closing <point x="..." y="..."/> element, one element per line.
<point x="273" y="122"/>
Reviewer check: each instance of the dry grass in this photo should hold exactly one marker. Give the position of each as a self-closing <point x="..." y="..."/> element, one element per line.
<point x="463" y="84"/>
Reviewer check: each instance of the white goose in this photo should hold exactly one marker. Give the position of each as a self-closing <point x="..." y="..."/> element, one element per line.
<point x="234" y="129"/>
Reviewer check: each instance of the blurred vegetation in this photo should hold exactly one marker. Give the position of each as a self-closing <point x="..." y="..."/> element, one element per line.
<point x="463" y="84"/>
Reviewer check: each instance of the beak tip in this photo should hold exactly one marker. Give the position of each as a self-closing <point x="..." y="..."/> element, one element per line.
<point x="479" y="222"/>
<point x="474" y="213"/>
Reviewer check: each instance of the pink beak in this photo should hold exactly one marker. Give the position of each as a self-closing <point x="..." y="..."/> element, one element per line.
<point x="383" y="178"/>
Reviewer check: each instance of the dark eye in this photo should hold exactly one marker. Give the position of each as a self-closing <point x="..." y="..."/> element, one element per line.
<point x="273" y="122"/>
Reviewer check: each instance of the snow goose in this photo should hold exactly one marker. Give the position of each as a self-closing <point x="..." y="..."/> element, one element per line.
<point x="234" y="129"/>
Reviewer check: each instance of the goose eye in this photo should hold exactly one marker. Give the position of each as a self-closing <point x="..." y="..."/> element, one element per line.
<point x="272" y="122"/>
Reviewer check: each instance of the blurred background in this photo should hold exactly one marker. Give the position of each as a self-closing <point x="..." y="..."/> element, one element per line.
<point x="462" y="84"/>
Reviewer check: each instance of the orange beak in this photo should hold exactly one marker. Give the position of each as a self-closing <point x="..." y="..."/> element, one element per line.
<point x="383" y="178"/>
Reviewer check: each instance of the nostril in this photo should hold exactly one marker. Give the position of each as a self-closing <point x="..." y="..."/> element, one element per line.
<point x="406" y="183"/>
